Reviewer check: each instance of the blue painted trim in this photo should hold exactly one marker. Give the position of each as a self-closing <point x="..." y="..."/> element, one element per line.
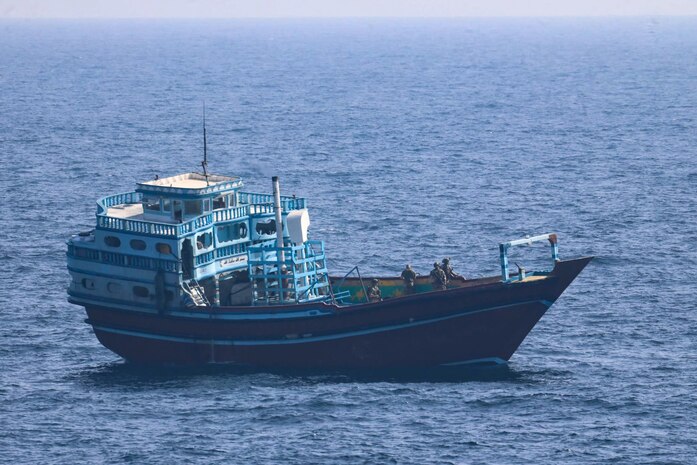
<point x="227" y="251"/>
<point x="123" y="278"/>
<point x="136" y="233"/>
<point x="130" y="257"/>
<point x="177" y="313"/>
<point x="312" y="312"/>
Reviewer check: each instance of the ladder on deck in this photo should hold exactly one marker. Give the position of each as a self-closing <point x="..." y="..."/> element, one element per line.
<point x="288" y="275"/>
<point x="195" y="291"/>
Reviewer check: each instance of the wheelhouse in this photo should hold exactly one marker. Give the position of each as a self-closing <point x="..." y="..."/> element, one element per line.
<point x="182" y="238"/>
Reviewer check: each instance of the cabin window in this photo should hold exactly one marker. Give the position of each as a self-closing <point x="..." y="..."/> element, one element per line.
<point x="137" y="244"/>
<point x="141" y="291"/>
<point x="232" y="232"/>
<point x="223" y="234"/>
<point x="114" y="288"/>
<point x="152" y="204"/>
<point x="163" y="248"/>
<point x="265" y="228"/>
<point x="166" y="205"/>
<point x="112" y="241"/>
<point x="207" y="205"/>
<point x="87" y="283"/>
<point x="232" y="200"/>
<point x="218" y="203"/>
<point x="203" y="241"/>
<point x="192" y="207"/>
<point x="177" y="206"/>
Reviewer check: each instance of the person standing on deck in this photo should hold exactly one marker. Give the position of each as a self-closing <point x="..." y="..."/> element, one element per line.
<point x="409" y="277"/>
<point x="439" y="280"/>
<point x="374" y="293"/>
<point x="448" y="270"/>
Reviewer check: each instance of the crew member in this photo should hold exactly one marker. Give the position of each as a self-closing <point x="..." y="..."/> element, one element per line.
<point x="439" y="280"/>
<point x="409" y="277"/>
<point x="448" y="270"/>
<point x="374" y="293"/>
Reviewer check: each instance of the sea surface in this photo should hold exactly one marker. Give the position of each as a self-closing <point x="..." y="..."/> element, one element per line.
<point x="413" y="140"/>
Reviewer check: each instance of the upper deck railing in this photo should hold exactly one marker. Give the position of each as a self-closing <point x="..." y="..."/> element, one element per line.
<point x="105" y="203"/>
<point x="250" y="204"/>
<point x="287" y="203"/>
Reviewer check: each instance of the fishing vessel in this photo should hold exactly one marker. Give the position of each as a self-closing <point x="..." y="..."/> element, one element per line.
<point x="192" y="269"/>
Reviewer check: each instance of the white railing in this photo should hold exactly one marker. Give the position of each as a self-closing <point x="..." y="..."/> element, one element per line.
<point x="118" y="199"/>
<point x="258" y="204"/>
<point x="503" y="252"/>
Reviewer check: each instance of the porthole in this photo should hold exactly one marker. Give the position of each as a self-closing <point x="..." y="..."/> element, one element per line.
<point x="114" y="288"/>
<point x="87" y="283"/>
<point x="140" y="291"/>
<point x="163" y="248"/>
<point x="137" y="244"/>
<point x="112" y="241"/>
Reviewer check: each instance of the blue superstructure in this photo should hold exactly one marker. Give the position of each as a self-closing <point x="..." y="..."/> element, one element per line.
<point x="194" y="240"/>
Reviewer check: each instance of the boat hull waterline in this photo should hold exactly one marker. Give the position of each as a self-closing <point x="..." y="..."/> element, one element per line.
<point x="482" y="322"/>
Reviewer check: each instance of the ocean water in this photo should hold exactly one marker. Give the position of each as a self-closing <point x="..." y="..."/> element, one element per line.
<point x="413" y="140"/>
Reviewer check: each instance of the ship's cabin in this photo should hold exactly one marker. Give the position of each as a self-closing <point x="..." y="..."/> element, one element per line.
<point x="199" y="237"/>
<point x="177" y="199"/>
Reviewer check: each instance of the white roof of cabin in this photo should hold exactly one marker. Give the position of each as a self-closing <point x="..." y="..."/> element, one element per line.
<point x="191" y="183"/>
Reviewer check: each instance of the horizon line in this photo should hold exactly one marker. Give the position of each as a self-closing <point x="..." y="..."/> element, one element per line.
<point x="513" y="16"/>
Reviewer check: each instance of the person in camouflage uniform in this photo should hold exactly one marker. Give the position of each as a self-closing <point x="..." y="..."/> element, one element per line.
<point x="439" y="280"/>
<point x="374" y="293"/>
<point x="409" y="277"/>
<point x="448" y="270"/>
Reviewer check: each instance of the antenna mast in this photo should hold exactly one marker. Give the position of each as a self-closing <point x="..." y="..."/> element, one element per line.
<point x="204" y="163"/>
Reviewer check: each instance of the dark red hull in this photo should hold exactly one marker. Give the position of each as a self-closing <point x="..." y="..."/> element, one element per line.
<point x="483" y="321"/>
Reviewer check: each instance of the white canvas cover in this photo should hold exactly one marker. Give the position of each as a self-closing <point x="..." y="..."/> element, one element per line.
<point x="298" y="222"/>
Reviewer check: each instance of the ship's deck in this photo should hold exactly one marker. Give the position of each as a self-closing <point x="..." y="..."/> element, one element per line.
<point x="133" y="211"/>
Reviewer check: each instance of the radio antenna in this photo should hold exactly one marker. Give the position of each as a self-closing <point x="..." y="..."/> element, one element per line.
<point x="204" y="163"/>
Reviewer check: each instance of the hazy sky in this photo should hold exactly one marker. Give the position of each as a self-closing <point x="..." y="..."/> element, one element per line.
<point x="337" y="8"/>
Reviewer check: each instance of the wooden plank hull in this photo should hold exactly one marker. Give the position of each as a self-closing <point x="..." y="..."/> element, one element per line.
<point x="482" y="322"/>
